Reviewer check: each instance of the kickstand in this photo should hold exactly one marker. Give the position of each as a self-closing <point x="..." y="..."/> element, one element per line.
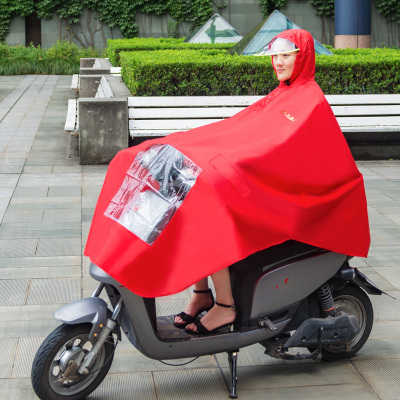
<point x="232" y="358"/>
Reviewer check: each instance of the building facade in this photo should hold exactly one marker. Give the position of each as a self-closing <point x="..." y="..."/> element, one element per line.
<point x="243" y="15"/>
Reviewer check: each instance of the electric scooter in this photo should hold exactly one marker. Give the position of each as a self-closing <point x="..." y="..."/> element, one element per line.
<point x="288" y="296"/>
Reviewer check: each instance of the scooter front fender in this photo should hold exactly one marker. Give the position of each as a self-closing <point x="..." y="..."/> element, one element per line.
<point x="90" y="310"/>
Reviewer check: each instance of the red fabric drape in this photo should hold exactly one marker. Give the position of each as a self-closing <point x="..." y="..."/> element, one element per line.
<point x="279" y="170"/>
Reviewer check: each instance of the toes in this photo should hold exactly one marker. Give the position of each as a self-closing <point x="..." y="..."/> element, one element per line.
<point x="191" y="328"/>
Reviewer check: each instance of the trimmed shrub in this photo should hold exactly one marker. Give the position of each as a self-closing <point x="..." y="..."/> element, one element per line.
<point x="115" y="46"/>
<point x="191" y="72"/>
<point x="213" y="72"/>
<point x="353" y="71"/>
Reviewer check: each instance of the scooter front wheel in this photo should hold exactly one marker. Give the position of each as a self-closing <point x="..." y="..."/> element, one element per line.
<point x="55" y="367"/>
<point x="351" y="300"/>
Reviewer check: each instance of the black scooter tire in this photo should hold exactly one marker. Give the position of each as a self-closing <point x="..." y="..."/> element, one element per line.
<point x="46" y="370"/>
<point x="355" y="301"/>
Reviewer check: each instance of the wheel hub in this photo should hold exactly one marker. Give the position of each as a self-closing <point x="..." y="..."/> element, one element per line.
<point x="69" y="365"/>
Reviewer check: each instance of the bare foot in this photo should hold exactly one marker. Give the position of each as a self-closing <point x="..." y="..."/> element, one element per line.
<point x="215" y="318"/>
<point x="199" y="301"/>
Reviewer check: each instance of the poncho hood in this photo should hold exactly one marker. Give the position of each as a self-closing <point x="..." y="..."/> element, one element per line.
<point x="304" y="68"/>
<point x="278" y="170"/>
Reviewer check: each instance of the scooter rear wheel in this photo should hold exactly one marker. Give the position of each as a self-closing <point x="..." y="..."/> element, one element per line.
<point x="351" y="300"/>
<point x="66" y="344"/>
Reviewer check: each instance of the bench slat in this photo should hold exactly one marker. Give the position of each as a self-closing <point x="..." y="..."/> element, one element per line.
<point x="362" y="99"/>
<point x="378" y="110"/>
<point x="71" y="116"/>
<point x="373" y="122"/>
<point x="347" y="124"/>
<point x="175" y="124"/>
<point x="164" y="132"/>
<point x="75" y="82"/>
<point x="191" y="101"/>
<point x="371" y="128"/>
<point x="192" y="112"/>
<point x="115" y="70"/>
<point x="225" y="112"/>
<point x="153" y="132"/>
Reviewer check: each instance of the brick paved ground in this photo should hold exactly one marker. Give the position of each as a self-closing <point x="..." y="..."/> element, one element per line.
<point x="46" y="205"/>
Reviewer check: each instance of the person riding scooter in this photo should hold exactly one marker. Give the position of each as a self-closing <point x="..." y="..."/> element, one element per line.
<point x="279" y="170"/>
<point x="284" y="50"/>
<point x="273" y="193"/>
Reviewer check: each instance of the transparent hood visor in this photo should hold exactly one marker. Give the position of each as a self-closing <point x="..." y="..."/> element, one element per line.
<point x="277" y="46"/>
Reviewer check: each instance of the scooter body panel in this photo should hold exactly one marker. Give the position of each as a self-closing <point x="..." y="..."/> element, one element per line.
<point x="144" y="333"/>
<point x="283" y="286"/>
<point x="139" y="330"/>
<point x="275" y="285"/>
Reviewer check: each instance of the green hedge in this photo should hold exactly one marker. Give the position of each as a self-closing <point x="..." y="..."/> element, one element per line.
<point x="352" y="71"/>
<point x="61" y="59"/>
<point x="213" y="72"/>
<point x="115" y="46"/>
<point x="194" y="72"/>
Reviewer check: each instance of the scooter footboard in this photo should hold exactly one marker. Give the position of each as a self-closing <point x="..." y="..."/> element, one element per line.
<point x="339" y="329"/>
<point x="90" y="310"/>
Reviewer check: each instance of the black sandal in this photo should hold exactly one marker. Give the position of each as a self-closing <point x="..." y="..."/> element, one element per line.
<point x="187" y="318"/>
<point x="202" y="330"/>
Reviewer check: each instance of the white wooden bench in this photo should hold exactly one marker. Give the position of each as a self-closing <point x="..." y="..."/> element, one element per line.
<point x="72" y="124"/>
<point x="72" y="121"/>
<point x="75" y="82"/>
<point x="115" y="71"/>
<point x="159" y="116"/>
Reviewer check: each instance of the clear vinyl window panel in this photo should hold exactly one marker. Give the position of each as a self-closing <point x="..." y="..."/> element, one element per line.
<point x="154" y="187"/>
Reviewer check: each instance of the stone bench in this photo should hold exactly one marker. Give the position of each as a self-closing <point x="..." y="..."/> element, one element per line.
<point x="102" y="125"/>
<point x="72" y="121"/>
<point x="95" y="66"/>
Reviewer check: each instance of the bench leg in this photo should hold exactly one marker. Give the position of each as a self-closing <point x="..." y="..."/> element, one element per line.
<point x="73" y="145"/>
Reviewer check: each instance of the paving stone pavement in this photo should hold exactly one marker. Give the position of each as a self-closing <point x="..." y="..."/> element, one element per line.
<point x="46" y="205"/>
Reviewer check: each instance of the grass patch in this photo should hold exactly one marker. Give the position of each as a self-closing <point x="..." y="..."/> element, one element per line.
<point x="61" y="59"/>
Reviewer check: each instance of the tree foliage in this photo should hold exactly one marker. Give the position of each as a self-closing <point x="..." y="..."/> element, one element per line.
<point x="270" y="5"/>
<point x="389" y="8"/>
<point x="324" y="8"/>
<point x="121" y="13"/>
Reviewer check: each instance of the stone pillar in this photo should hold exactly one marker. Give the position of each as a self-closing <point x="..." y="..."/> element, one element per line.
<point x="352" y="24"/>
<point x="103" y="129"/>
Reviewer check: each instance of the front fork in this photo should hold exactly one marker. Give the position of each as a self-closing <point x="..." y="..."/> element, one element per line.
<point x="110" y="325"/>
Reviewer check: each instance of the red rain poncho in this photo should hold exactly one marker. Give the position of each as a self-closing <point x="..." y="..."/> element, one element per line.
<point x="278" y="170"/>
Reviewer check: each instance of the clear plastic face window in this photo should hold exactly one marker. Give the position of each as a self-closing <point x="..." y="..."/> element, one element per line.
<point x="154" y="187"/>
